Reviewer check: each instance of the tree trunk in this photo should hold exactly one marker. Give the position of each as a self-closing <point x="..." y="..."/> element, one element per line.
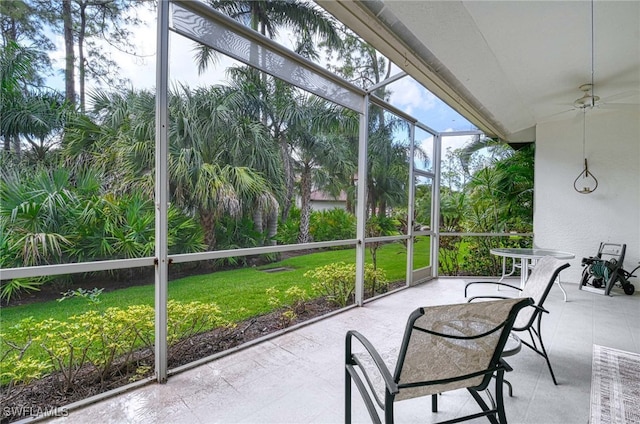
<point x="81" y="60"/>
<point x="17" y="146"/>
<point x="272" y="226"/>
<point x="305" y="207"/>
<point x="288" y="177"/>
<point x="208" y="222"/>
<point x="69" y="79"/>
<point x="258" y="224"/>
<point x="382" y="208"/>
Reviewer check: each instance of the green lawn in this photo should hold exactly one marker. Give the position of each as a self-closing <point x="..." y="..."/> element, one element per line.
<point x="240" y="293"/>
<point x="60" y="340"/>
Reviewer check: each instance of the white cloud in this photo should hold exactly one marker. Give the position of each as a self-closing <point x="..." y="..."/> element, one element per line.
<point x="140" y="69"/>
<point x="410" y="96"/>
<point x="455" y="141"/>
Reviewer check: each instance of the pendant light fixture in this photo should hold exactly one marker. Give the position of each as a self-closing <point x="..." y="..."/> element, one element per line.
<point x="586" y="182"/>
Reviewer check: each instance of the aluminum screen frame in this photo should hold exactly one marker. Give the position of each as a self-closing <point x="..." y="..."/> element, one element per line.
<point x="222" y="34"/>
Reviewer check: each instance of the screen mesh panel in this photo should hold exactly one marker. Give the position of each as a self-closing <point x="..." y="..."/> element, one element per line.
<point x="239" y="47"/>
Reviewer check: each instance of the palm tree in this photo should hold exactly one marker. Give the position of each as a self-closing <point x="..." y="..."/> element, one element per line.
<point x="269" y="16"/>
<point x="27" y="114"/>
<point x="388" y="173"/>
<point x="219" y="158"/>
<point x="272" y="103"/>
<point x="117" y="139"/>
<point x="320" y="150"/>
<point x="216" y="157"/>
<point x="501" y="184"/>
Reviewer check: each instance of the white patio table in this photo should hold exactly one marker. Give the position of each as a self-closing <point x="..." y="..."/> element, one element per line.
<point x="523" y="258"/>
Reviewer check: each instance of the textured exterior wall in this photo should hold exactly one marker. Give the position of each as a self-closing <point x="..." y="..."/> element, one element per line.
<point x="569" y="221"/>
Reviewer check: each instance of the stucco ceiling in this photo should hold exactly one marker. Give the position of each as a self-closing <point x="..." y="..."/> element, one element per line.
<point x="508" y="65"/>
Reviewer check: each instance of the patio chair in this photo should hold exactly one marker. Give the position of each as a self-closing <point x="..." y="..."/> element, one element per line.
<point x="537" y="287"/>
<point x="444" y="348"/>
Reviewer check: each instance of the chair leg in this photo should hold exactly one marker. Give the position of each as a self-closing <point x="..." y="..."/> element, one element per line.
<point x="502" y="417"/>
<point x="388" y="412"/>
<point x="541" y="351"/>
<point x="434" y="402"/>
<point x="544" y="353"/>
<point x="490" y="413"/>
<point x="508" y="383"/>
<point x="347" y="397"/>
<point x="546" y="358"/>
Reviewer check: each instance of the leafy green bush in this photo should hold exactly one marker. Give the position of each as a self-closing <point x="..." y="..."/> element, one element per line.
<point x="289" y="229"/>
<point x="337" y="281"/>
<point x="293" y="301"/>
<point x="105" y="342"/>
<point x="334" y="224"/>
<point x="185" y="320"/>
<point x="15" y="368"/>
<point x="375" y="281"/>
<point x="55" y="216"/>
<point x="480" y="261"/>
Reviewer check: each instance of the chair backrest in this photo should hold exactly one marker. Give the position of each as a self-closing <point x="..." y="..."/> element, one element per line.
<point x="453" y="341"/>
<point x="537" y="287"/>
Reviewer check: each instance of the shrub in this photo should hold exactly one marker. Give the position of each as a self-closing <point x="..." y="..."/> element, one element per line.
<point x="55" y="216"/>
<point x="185" y="320"/>
<point x="375" y="281"/>
<point x="334" y="224"/>
<point x="293" y="302"/>
<point x="101" y="342"/>
<point x="15" y="368"/>
<point x="288" y="230"/>
<point x="337" y="281"/>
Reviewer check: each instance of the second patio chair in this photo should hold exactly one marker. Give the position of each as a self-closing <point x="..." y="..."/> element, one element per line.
<point x="537" y="287"/>
<point x="444" y="348"/>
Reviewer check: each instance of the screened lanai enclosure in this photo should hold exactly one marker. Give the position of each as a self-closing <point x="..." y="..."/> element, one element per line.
<point x="222" y="34"/>
<point x="233" y="170"/>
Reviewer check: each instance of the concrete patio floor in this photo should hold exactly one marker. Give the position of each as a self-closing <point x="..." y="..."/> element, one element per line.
<point x="298" y="377"/>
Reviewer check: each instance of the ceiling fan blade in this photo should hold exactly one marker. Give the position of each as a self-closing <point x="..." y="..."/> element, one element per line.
<point x="557" y="115"/>
<point x="620" y="96"/>
<point x="618" y="106"/>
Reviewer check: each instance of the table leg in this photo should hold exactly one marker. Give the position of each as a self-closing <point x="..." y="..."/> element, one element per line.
<point x="504" y="270"/>
<point x="561" y="288"/>
<point x="524" y="272"/>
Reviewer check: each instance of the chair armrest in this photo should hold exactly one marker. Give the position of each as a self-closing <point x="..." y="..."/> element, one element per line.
<point x="486" y="297"/>
<point x="540" y="308"/>
<point x="505" y="365"/>
<point x="496" y="283"/>
<point x="390" y="384"/>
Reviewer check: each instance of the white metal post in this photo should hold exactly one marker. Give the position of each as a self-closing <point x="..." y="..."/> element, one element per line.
<point x="435" y="205"/>
<point x="411" y="206"/>
<point x="161" y="191"/>
<point x="361" y="207"/>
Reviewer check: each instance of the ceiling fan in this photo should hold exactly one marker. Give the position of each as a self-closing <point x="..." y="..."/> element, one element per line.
<point x="590" y="100"/>
<point x="587" y="99"/>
